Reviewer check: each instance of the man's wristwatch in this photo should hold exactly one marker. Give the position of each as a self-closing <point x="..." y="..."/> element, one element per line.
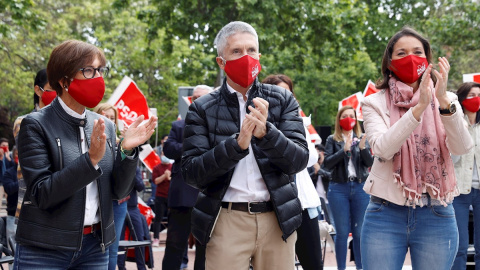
<point x="451" y="109"/>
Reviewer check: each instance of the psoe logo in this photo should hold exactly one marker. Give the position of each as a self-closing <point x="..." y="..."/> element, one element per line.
<point x="254" y="71"/>
<point x="421" y="68"/>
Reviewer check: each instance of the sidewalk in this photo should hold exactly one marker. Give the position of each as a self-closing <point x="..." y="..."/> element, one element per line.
<point x="329" y="264"/>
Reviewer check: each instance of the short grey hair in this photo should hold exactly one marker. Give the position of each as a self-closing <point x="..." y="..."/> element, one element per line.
<point x="203" y="86"/>
<point x="231" y="29"/>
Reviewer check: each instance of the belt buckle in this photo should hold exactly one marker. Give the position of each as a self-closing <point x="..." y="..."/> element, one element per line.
<point x="249" y="211"/>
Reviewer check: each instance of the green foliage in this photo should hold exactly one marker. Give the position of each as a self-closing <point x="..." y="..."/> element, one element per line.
<point x="330" y="48"/>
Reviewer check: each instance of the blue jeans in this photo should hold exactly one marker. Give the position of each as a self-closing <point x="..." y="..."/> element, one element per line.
<point x="348" y="202"/>
<point x="119" y="213"/>
<point x="389" y="230"/>
<point x="89" y="257"/>
<point x="461" y="204"/>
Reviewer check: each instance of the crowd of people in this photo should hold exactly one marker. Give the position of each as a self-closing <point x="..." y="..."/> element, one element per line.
<point x="240" y="177"/>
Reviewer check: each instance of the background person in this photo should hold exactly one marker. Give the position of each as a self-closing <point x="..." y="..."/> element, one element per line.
<point x="468" y="180"/>
<point x="307" y="247"/>
<point x="139" y="224"/>
<point x="348" y="156"/>
<point x="119" y="206"/>
<point x="231" y="153"/>
<point x="413" y="126"/>
<point x="181" y="199"/>
<point x="72" y="167"/>
<point x="43" y="93"/>
<point x="161" y="175"/>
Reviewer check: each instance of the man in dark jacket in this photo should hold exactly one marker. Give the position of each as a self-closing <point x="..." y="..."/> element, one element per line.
<point x="181" y="199"/>
<point x="242" y="145"/>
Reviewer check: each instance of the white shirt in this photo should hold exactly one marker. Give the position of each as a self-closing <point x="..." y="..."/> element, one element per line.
<point x="306" y="190"/>
<point x="92" y="202"/>
<point x="351" y="167"/>
<point x="247" y="183"/>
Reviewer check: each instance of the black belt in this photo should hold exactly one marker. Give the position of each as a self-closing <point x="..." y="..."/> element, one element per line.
<point x="354" y="179"/>
<point x="250" y="207"/>
<point x="378" y="200"/>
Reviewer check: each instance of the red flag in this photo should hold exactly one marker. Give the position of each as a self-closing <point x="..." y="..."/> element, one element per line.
<point x="471" y="77"/>
<point x="129" y="101"/>
<point x="354" y="101"/>
<point x="370" y="89"/>
<point x="149" y="158"/>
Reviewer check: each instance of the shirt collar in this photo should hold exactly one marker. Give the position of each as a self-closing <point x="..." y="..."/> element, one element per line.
<point x="70" y="111"/>
<point x="239" y="95"/>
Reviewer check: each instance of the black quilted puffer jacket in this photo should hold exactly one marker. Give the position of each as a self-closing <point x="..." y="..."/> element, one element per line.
<point x="211" y="152"/>
<point x="56" y="174"/>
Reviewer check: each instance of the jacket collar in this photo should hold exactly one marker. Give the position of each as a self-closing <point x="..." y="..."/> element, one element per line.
<point x="57" y="107"/>
<point x="232" y="97"/>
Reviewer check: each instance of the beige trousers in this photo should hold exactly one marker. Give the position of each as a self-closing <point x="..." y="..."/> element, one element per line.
<point x="240" y="237"/>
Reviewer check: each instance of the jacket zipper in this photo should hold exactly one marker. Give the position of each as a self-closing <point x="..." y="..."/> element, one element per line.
<point x="60" y="154"/>
<point x="102" y="244"/>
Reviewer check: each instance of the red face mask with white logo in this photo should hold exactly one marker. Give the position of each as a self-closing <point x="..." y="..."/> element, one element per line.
<point x="87" y="92"/>
<point x="471" y="104"/>
<point x="347" y="123"/>
<point x="409" y="68"/>
<point x="243" y="70"/>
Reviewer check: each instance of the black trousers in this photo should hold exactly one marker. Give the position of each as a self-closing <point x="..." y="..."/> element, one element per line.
<point x="160" y="211"/>
<point x="179" y="227"/>
<point x="308" y="246"/>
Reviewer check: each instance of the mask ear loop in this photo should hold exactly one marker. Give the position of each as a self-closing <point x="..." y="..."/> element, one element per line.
<point x="223" y="60"/>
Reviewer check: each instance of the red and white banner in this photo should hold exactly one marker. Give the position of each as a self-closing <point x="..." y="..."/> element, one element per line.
<point x="311" y="130"/>
<point x="355" y="101"/>
<point x="471" y="77"/>
<point x="149" y="157"/>
<point x="370" y="89"/>
<point x="129" y="101"/>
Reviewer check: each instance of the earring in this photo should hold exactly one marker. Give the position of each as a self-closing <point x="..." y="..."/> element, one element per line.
<point x="66" y="87"/>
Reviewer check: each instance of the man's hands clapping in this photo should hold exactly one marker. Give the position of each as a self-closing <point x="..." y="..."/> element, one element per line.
<point x="255" y="123"/>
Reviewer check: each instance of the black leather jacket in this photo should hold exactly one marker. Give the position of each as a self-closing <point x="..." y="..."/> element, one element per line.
<point x="56" y="174"/>
<point x="211" y="152"/>
<point x="336" y="160"/>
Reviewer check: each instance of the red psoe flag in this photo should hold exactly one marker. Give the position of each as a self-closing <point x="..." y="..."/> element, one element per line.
<point x="471" y="77"/>
<point x="370" y="89"/>
<point x="354" y="101"/>
<point x="129" y="101"/>
<point x="148" y="157"/>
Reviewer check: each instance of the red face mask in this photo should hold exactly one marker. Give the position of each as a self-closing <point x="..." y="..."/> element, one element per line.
<point x="409" y="68"/>
<point x="471" y="104"/>
<point x="87" y="92"/>
<point x="48" y="96"/>
<point x="16" y="160"/>
<point x="347" y="123"/>
<point x="243" y="70"/>
<point x="4" y="148"/>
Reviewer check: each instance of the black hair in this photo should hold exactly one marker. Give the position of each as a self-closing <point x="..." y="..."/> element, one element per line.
<point x="40" y="80"/>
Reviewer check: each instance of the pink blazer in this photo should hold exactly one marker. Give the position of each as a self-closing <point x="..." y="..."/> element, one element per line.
<point x="386" y="140"/>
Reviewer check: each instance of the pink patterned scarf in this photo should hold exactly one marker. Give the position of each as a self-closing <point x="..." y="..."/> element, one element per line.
<point x="423" y="164"/>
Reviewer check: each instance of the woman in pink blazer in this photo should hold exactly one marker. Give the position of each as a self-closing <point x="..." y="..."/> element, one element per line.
<point x="412" y="125"/>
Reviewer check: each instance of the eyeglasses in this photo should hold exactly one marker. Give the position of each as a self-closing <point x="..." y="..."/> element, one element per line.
<point x="89" y="72"/>
<point x="47" y="90"/>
